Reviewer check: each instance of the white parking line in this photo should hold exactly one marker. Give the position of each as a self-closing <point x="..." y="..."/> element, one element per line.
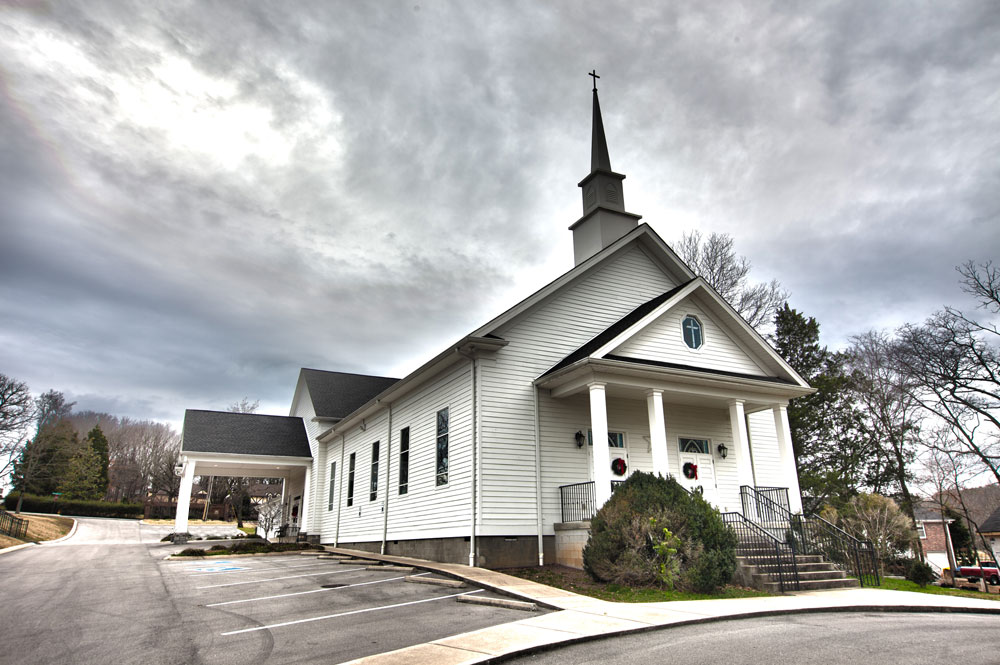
<point x="274" y="579"/>
<point x="303" y="593"/>
<point x="344" y="614"/>
<point x="257" y="570"/>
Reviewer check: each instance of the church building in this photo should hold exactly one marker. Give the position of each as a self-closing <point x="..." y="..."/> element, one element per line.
<point x="497" y="451"/>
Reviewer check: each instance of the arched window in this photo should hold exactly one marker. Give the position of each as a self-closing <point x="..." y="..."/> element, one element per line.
<point x="692" y="330"/>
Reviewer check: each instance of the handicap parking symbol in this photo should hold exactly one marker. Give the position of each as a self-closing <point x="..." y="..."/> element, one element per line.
<point x="220" y="567"/>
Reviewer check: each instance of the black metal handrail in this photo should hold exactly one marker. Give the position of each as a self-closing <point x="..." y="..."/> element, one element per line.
<point x="578" y="501"/>
<point x="813" y="535"/>
<point x="771" y="556"/>
<point x="14" y="527"/>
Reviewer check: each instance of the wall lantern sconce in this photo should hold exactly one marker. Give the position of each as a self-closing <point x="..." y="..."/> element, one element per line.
<point x="178" y="469"/>
<point x="579" y="439"/>
<point x="723" y="451"/>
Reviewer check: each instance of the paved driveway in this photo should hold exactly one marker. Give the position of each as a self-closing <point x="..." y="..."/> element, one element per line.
<point x="108" y="596"/>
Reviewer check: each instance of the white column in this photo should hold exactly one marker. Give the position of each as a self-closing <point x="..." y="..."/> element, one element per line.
<point x="657" y="432"/>
<point x="787" y="456"/>
<point x="184" y="498"/>
<point x="306" y="503"/>
<point x="599" y="431"/>
<point x="741" y="441"/>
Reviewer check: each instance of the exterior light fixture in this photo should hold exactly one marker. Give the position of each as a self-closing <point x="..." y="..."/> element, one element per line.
<point x="579" y="439"/>
<point x="723" y="451"/>
<point x="178" y="469"/>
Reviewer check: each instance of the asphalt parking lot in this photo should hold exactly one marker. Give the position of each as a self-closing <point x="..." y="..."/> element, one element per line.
<point x="282" y="604"/>
<point x="123" y="602"/>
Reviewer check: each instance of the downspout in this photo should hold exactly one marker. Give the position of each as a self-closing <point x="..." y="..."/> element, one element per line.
<point x="388" y="475"/>
<point x="340" y="490"/>
<point x="473" y="362"/>
<point x="538" y="481"/>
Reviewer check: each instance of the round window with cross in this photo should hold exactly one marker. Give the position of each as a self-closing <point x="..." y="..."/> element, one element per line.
<point x="693" y="333"/>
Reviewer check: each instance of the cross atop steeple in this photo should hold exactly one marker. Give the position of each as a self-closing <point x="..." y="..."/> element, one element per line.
<point x="594" y="75"/>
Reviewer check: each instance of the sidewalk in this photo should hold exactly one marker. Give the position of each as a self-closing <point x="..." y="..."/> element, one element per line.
<point x="579" y="618"/>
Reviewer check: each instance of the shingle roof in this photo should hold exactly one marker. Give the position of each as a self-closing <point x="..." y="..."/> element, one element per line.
<point x="338" y="394"/>
<point x="927" y="511"/>
<point x="992" y="523"/>
<point x="244" y="434"/>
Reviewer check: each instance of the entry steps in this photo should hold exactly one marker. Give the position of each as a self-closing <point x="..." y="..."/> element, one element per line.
<point x="814" y="573"/>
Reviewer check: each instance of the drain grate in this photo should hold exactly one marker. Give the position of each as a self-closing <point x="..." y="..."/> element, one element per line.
<point x="332" y="586"/>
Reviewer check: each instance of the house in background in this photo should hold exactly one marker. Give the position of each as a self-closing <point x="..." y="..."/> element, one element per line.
<point x="935" y="537"/>
<point x="990" y="531"/>
<point x="512" y="436"/>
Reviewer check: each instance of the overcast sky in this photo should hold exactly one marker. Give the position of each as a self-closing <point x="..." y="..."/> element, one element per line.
<point x="197" y="199"/>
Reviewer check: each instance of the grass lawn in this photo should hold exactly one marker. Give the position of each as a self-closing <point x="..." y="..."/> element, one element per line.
<point x="40" y="527"/>
<point x="906" y="585"/>
<point x="578" y="581"/>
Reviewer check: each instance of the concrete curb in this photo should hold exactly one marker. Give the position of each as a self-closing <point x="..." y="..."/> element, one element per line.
<point x="580" y="619"/>
<point x="499" y="602"/>
<point x="14" y="548"/>
<point x="72" y="532"/>
<point x="174" y="557"/>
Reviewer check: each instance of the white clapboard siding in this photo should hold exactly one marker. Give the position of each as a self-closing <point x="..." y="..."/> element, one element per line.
<point x="662" y="340"/>
<point x="764" y="447"/>
<point x="302" y="407"/>
<point x="538" y="339"/>
<point x="426" y="511"/>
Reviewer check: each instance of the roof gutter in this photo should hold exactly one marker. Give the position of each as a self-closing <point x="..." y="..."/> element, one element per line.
<point x="455" y="353"/>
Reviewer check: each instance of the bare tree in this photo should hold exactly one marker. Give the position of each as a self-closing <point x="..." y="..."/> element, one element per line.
<point x="17" y="413"/>
<point x="891" y="418"/>
<point x="879" y="519"/>
<point x="51" y="407"/>
<point x="244" y="406"/>
<point x="715" y="260"/>
<point x="953" y="361"/>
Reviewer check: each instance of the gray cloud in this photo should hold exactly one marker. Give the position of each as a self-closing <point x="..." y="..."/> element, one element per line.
<point x="199" y="200"/>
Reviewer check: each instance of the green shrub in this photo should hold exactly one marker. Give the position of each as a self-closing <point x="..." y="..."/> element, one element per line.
<point x="192" y="551"/>
<point x="920" y="573"/>
<point x="79" y="507"/>
<point x="652" y="532"/>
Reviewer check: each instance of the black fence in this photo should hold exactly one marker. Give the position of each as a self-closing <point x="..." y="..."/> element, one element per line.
<point x="765" y="552"/>
<point x="812" y="535"/>
<point x="14" y="527"/>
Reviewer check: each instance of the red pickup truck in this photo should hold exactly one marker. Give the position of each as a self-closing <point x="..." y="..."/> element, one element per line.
<point x="986" y="570"/>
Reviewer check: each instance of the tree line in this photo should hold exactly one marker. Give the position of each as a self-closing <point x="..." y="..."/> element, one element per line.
<point x="46" y="448"/>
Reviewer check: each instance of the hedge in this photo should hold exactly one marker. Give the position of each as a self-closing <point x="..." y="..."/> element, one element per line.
<point x="50" y="504"/>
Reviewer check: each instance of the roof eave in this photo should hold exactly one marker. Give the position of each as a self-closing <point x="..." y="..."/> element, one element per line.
<point x="461" y="350"/>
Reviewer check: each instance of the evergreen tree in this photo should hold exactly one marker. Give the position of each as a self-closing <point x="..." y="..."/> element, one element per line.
<point x="82" y="478"/>
<point x="45" y="459"/>
<point x="830" y="449"/>
<point x="99" y="444"/>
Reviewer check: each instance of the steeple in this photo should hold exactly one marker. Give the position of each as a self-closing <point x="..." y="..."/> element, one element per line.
<point x="604" y="218"/>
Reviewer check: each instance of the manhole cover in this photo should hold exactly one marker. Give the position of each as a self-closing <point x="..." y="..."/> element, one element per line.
<point x="331" y="586"/>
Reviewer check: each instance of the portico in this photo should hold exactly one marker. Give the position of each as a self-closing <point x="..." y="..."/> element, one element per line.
<point x="217" y="443"/>
<point x="700" y="426"/>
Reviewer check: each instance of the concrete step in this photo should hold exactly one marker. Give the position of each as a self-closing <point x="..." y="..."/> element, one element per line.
<point x="359" y="562"/>
<point x="800" y="566"/>
<point x="454" y="584"/>
<point x="394" y="569"/>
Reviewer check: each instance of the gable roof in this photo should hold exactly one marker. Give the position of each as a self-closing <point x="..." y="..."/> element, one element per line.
<point x="617" y="333"/>
<point x="338" y="394"/>
<point x="244" y="434"/>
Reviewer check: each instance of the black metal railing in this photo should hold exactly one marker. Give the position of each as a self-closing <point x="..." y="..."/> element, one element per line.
<point x="578" y="502"/>
<point x="762" y="550"/>
<point x="14" y="527"/>
<point x="812" y="535"/>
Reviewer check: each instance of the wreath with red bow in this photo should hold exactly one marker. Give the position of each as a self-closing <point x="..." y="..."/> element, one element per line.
<point x="690" y="471"/>
<point x="618" y="466"/>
